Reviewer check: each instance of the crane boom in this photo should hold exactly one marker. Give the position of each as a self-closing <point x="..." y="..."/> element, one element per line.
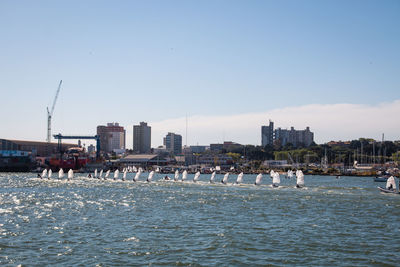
<point x="50" y="113"/>
<point x="55" y="98"/>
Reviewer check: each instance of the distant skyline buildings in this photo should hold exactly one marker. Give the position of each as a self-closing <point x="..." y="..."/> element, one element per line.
<point x="173" y="143"/>
<point x="141" y="138"/>
<point x="271" y="136"/>
<point x="112" y="137"/>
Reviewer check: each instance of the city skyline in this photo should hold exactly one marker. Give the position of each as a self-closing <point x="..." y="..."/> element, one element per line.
<point x="228" y="66"/>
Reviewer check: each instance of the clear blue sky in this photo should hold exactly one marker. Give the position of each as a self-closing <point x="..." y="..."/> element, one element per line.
<point x="132" y="61"/>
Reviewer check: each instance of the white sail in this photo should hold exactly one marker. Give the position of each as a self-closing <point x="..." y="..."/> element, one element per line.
<point x="225" y="179"/>
<point x="107" y="174"/>
<point x="70" y="174"/>
<point x="176" y="175"/>
<point x="258" y="179"/>
<point x="150" y="176"/>
<point x="300" y="178"/>
<point x="391" y="183"/>
<point x="101" y="174"/>
<point x="196" y="177"/>
<point x="44" y="173"/>
<point x="116" y="174"/>
<point x="61" y="174"/>
<point x="290" y="173"/>
<point x="124" y="176"/>
<point x="49" y="174"/>
<point x="212" y="177"/>
<point x="276" y="180"/>
<point x="239" y="179"/>
<point x="137" y="175"/>
<point x="272" y="173"/>
<point x="184" y="175"/>
<point x="95" y="173"/>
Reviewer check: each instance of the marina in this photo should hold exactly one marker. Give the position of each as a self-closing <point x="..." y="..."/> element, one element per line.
<point x="88" y="221"/>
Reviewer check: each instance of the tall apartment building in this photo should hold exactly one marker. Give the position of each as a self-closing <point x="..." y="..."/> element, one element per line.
<point x="173" y="143"/>
<point x="112" y="137"/>
<point x="284" y="136"/>
<point x="141" y="138"/>
<point x="267" y="134"/>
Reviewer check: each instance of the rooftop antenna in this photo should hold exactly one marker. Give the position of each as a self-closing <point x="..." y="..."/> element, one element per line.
<point x="50" y="113"/>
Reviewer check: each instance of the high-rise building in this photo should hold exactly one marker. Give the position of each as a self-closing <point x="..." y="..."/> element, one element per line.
<point x="173" y="143"/>
<point x="112" y="137"/>
<point x="284" y="136"/>
<point x="267" y="134"/>
<point x="141" y="138"/>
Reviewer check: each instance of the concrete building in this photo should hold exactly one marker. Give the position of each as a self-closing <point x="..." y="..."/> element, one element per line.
<point x="112" y="137"/>
<point x="295" y="137"/>
<point x="141" y="138"/>
<point x="173" y="143"/>
<point x="267" y="134"/>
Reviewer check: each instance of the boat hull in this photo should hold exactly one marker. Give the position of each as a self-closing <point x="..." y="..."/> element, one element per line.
<point x="380" y="179"/>
<point x="384" y="190"/>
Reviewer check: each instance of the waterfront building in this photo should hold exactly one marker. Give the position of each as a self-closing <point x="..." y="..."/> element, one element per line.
<point x="284" y="136"/>
<point x="216" y="147"/>
<point x="267" y="134"/>
<point x="198" y="149"/>
<point x="173" y="143"/>
<point x="141" y="138"/>
<point x="112" y="137"/>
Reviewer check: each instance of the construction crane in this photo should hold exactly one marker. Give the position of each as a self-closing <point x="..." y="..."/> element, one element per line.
<point x="50" y="113"/>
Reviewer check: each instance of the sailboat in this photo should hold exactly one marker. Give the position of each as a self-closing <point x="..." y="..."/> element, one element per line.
<point x="137" y="175"/>
<point x="276" y="180"/>
<point x="196" y="177"/>
<point x="49" y="174"/>
<point x="101" y="174"/>
<point x="95" y="173"/>
<point x="184" y="175"/>
<point x="271" y="174"/>
<point x="176" y="178"/>
<point x="239" y="179"/>
<point x="300" y="179"/>
<point x="225" y="179"/>
<point x="116" y="174"/>
<point x="150" y="176"/>
<point x="70" y="174"/>
<point x="44" y="173"/>
<point x="390" y="186"/>
<point x="107" y="174"/>
<point x="258" y="179"/>
<point x="290" y="174"/>
<point x="212" y="177"/>
<point x="124" y="175"/>
<point x="61" y="174"/>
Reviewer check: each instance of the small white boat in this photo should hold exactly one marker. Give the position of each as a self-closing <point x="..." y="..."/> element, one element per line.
<point x="44" y="173"/>
<point x="61" y="174"/>
<point x="176" y="178"/>
<point x="95" y="173"/>
<point x="107" y="174"/>
<point x="300" y="179"/>
<point x="116" y="174"/>
<point x="258" y="179"/>
<point x="70" y="174"/>
<point x="196" y="177"/>
<point x="184" y="175"/>
<point x="150" y="176"/>
<point x="225" y="179"/>
<point x="239" y="179"/>
<point x="212" y="177"/>
<point x="101" y="174"/>
<point x="276" y="180"/>
<point x="49" y="174"/>
<point x="137" y="175"/>
<point x="390" y="186"/>
<point x="124" y="175"/>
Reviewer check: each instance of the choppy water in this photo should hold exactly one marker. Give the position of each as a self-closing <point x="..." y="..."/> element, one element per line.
<point x="332" y="222"/>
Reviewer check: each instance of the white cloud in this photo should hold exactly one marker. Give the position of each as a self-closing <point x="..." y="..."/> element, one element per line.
<point x="328" y="122"/>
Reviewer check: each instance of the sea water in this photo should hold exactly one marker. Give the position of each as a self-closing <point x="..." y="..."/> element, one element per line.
<point x="330" y="222"/>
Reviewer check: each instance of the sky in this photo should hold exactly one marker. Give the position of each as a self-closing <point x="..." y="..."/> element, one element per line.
<point x="226" y="66"/>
